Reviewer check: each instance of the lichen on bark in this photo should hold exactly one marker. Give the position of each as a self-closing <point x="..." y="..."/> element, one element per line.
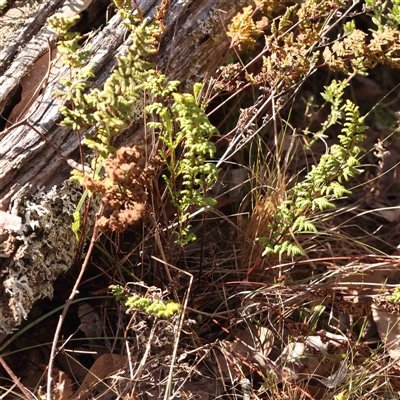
<point x="43" y="249"/>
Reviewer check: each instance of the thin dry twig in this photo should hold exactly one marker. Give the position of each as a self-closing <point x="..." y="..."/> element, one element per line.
<point x="23" y="389"/>
<point x="180" y="324"/>
<point x="74" y="292"/>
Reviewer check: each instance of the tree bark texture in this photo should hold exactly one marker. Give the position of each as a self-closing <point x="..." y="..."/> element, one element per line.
<point x="193" y="45"/>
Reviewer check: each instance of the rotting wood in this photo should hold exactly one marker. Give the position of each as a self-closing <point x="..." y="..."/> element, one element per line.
<point x="194" y="44"/>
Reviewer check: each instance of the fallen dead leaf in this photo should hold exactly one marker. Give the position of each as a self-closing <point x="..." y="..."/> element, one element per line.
<point x="62" y="389"/>
<point x="389" y="330"/>
<point x="316" y="355"/>
<point x="248" y="351"/>
<point x="103" y="367"/>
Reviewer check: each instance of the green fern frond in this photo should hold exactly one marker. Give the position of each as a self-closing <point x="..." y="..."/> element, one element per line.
<point x="324" y="182"/>
<point x="193" y="136"/>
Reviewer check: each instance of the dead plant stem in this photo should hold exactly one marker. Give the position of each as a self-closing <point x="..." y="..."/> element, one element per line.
<point x="23" y="389"/>
<point x="143" y="361"/>
<point x="74" y="291"/>
<point x="180" y="324"/>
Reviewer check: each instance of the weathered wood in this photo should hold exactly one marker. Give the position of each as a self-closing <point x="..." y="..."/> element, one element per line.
<point x="27" y="161"/>
<point x="191" y="49"/>
<point x="193" y="45"/>
<point x="17" y="27"/>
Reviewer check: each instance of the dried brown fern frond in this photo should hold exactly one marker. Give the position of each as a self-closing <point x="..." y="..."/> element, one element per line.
<point x="125" y="188"/>
<point x="243" y="29"/>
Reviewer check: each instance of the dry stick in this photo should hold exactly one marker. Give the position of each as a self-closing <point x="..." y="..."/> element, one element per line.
<point x="180" y="323"/>
<point x="73" y="164"/>
<point x="164" y="260"/>
<point x="74" y="291"/>
<point x="24" y="390"/>
<point x="143" y="361"/>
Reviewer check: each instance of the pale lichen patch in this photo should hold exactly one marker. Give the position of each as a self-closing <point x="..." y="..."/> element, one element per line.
<point x="213" y="19"/>
<point x="45" y="249"/>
